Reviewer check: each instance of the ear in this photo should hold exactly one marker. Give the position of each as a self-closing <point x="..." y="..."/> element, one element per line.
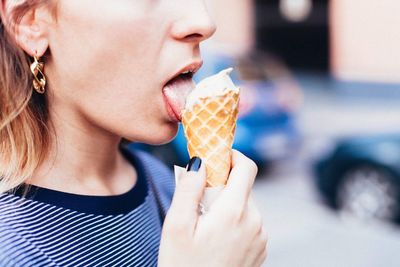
<point x="32" y="31"/>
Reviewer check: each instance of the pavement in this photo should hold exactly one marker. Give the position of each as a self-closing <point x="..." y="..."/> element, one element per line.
<point x="303" y="231"/>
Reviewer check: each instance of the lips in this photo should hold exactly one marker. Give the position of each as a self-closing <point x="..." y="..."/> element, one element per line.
<point x="175" y="93"/>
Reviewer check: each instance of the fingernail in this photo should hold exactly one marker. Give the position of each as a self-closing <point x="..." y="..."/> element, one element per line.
<point x="194" y="164"/>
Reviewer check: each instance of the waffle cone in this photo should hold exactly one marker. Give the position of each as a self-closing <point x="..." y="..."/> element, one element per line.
<point x="209" y="128"/>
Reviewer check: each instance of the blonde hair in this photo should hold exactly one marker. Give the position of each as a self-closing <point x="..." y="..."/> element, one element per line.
<point x="24" y="135"/>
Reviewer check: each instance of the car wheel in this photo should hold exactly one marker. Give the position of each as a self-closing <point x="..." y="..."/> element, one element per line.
<point x="369" y="193"/>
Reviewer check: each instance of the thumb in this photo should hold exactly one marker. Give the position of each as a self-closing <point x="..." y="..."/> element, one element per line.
<point x="184" y="210"/>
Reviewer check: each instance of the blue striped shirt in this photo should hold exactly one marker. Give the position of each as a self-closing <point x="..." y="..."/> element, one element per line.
<point x="53" y="228"/>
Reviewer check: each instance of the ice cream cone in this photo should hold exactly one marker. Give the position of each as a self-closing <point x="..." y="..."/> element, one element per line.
<point x="209" y="127"/>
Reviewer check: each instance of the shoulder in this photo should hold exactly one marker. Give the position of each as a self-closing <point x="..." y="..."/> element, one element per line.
<point x="15" y="247"/>
<point x="10" y="209"/>
<point x="9" y="235"/>
<point x="5" y="254"/>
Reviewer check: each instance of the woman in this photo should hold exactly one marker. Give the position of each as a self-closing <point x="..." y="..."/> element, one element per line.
<point x="76" y="77"/>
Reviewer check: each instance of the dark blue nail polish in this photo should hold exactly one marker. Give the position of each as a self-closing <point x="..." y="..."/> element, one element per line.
<point x="194" y="164"/>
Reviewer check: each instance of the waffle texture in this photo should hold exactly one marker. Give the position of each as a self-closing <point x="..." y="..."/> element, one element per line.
<point x="210" y="128"/>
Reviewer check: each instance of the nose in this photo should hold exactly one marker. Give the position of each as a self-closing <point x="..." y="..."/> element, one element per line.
<point x="194" y="23"/>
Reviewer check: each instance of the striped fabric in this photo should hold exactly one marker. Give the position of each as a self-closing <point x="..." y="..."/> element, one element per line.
<point x="52" y="228"/>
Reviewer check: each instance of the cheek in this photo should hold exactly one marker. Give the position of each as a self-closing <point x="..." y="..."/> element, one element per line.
<point x="113" y="45"/>
<point x="134" y="116"/>
<point x="104" y="63"/>
<point x="119" y="107"/>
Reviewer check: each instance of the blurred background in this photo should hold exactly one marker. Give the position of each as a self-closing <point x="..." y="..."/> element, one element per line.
<point x="320" y="114"/>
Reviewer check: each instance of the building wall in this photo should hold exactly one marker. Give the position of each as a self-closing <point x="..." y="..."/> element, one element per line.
<point x="365" y="40"/>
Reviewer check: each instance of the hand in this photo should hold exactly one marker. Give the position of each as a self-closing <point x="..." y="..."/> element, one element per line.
<point x="230" y="234"/>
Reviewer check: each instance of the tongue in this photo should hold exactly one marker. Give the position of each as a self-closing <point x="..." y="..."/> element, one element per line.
<point x="176" y="92"/>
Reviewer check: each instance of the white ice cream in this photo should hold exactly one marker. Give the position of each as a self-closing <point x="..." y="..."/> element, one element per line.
<point x="216" y="85"/>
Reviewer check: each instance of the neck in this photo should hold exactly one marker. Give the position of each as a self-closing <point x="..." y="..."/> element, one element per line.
<point x="83" y="159"/>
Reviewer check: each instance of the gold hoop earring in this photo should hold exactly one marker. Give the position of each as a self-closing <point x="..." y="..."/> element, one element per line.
<point x="39" y="80"/>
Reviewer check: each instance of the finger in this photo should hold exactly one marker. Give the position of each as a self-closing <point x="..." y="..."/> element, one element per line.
<point x="258" y="249"/>
<point x="189" y="190"/>
<point x="261" y="258"/>
<point x="263" y="253"/>
<point x="254" y="217"/>
<point x="241" y="179"/>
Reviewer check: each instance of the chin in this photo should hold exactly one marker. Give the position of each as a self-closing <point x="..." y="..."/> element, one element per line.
<point x="161" y="136"/>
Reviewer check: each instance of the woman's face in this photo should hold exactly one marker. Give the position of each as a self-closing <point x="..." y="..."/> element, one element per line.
<point x="112" y="63"/>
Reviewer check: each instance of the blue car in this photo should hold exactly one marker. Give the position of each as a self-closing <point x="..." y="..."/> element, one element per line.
<point x="266" y="129"/>
<point x="361" y="176"/>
